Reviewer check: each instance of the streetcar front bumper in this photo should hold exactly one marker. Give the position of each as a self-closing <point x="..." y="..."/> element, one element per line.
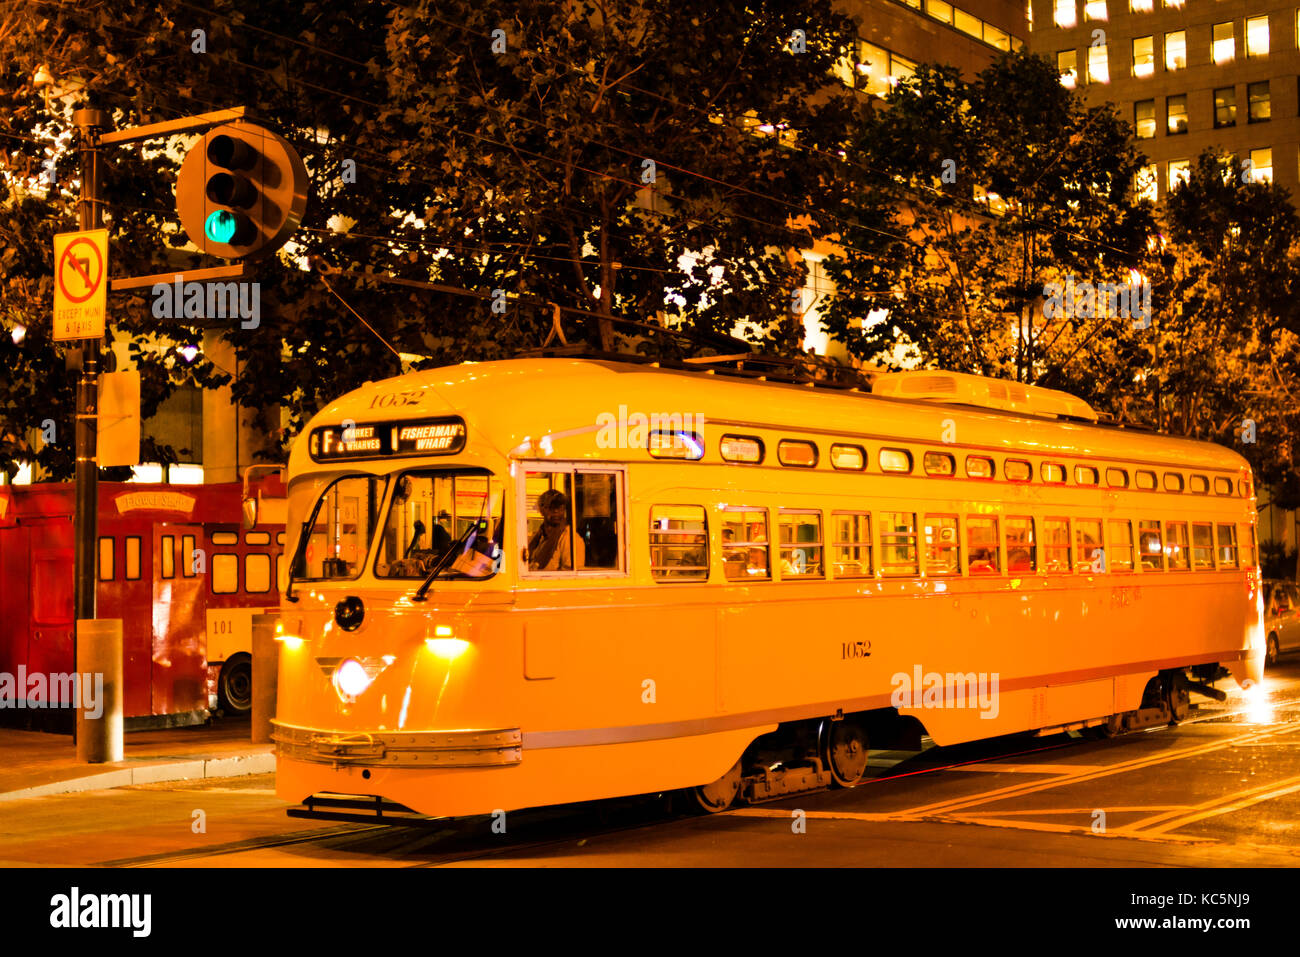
<point x="400" y="749"/>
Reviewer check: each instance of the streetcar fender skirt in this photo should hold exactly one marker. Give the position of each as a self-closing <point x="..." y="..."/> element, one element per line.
<point x="542" y="776"/>
<point x="951" y="719"/>
<point x="1248" y="670"/>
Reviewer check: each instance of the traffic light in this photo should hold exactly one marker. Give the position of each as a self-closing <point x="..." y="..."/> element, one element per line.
<point x="241" y="192"/>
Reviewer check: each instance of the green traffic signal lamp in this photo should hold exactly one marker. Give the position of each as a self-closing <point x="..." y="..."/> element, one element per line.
<point x="241" y="192"/>
<point x="231" y="229"/>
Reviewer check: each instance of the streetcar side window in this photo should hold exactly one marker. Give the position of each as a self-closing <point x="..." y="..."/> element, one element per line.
<point x="796" y="454"/>
<point x="1199" y="485"/>
<point x="106" y="558"/>
<point x="257" y="538"/>
<point x="1176" y="546"/>
<point x="1053" y="472"/>
<point x="939" y="463"/>
<point x="898" y="543"/>
<point x="1085" y="475"/>
<point x="1150" y="547"/>
<point x="188" y="563"/>
<point x="133" y="558"/>
<point x="1227" y="546"/>
<point x="224" y="538"/>
<point x="1145" y="479"/>
<point x="1021" y="549"/>
<point x="224" y="574"/>
<point x="895" y="460"/>
<point x="573" y="521"/>
<point x="979" y="466"/>
<point x="257" y="572"/>
<point x="1017" y="470"/>
<point x="851" y="457"/>
<point x="1089" y="550"/>
<point x="1222" y="486"/>
<point x="679" y="543"/>
<point x="984" y="553"/>
<point x="1117" y="478"/>
<point x="168" y="556"/>
<point x="801" y="544"/>
<point x="851" y="550"/>
<point x="597" y="524"/>
<point x="1202" y="545"/>
<point x="1056" y="545"/>
<point x="744" y="544"/>
<point x="1173" y="482"/>
<point x="1248" y="545"/>
<point x="942" y="545"/>
<point x="1120" y="533"/>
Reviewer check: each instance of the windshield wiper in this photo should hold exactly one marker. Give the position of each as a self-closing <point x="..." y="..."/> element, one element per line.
<point x="442" y="561"/>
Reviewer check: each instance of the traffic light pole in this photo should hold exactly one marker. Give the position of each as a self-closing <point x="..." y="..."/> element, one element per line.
<point x="86" y="514"/>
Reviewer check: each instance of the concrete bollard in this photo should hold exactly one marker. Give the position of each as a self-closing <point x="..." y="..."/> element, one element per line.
<point x="100" y="710"/>
<point x="266" y="674"/>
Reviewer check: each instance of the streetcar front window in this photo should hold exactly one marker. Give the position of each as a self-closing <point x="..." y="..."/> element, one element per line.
<point x="434" y="511"/>
<point x="340" y="529"/>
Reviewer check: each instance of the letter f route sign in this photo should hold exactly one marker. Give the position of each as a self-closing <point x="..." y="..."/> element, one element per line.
<point x="80" y="284"/>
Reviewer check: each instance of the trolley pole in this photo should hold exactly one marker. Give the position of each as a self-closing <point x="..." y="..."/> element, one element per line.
<point x="86" y="516"/>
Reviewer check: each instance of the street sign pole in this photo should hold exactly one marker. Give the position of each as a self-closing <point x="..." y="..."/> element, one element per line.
<point x="86" y="517"/>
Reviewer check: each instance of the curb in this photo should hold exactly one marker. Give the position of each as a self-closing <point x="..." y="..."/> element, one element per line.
<point x="230" y="766"/>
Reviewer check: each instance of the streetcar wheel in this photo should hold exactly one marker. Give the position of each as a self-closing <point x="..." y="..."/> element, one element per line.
<point x="235" y="685"/>
<point x="843" y="747"/>
<point x="719" y="795"/>
<point x="1271" y="652"/>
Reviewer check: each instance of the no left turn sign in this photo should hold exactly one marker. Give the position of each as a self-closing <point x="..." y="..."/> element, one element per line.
<point x="80" y="284"/>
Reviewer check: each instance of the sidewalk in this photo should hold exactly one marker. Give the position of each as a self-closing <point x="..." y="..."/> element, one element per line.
<point x="34" y="764"/>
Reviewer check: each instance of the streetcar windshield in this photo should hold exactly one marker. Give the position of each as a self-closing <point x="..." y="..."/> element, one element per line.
<point x="434" y="511"/>
<point x="342" y="525"/>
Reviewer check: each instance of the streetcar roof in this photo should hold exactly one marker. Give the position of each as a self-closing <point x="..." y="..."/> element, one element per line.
<point x="510" y="405"/>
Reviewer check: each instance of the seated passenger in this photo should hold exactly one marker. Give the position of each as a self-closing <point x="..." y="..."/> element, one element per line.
<point x="550" y="548"/>
<point x="983" y="562"/>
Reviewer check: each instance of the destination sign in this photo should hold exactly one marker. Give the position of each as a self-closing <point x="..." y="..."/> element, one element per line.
<point x="368" y="440"/>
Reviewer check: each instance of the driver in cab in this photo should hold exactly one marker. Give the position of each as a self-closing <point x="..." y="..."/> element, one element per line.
<point x="551" y="548"/>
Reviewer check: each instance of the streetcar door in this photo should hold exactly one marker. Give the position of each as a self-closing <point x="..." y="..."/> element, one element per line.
<point x="180" y="569"/>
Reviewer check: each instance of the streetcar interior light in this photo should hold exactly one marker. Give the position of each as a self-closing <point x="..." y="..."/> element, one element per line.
<point x="351" y="679"/>
<point x="292" y="642"/>
<point x="442" y="631"/>
<point x="448" y="649"/>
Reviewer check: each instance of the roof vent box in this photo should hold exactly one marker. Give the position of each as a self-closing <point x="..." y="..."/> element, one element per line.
<point x="960" y="388"/>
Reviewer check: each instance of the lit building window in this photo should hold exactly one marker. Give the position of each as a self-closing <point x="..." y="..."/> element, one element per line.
<point x="1146" y="182"/>
<point x="1261" y="165"/>
<point x="963" y="21"/>
<point x="1139" y="6"/>
<point x="1067" y="63"/>
<point x="1225" y="107"/>
<point x="996" y="38"/>
<point x="1176" y="50"/>
<point x="1257" y="36"/>
<point x="1174" y="3"/>
<point x="1098" y="64"/>
<point x="939" y="10"/>
<point x="1029" y="15"/>
<point x="1094" y="9"/>
<point x="873" y="69"/>
<point x="1144" y="56"/>
<point x="1257" y="99"/>
<point x="900" y="68"/>
<point x="1067" y="14"/>
<point x="1179" y="171"/>
<point x="1144" y="119"/>
<point x="1224" y="48"/>
<point x="1176" y="114"/>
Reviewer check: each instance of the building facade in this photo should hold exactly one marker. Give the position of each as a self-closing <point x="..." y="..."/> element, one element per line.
<point x="1188" y="74"/>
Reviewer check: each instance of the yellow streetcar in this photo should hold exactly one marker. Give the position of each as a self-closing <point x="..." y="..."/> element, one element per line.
<point x="543" y="581"/>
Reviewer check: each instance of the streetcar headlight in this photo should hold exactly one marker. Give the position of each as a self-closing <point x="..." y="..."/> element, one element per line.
<point x="350" y="678"/>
